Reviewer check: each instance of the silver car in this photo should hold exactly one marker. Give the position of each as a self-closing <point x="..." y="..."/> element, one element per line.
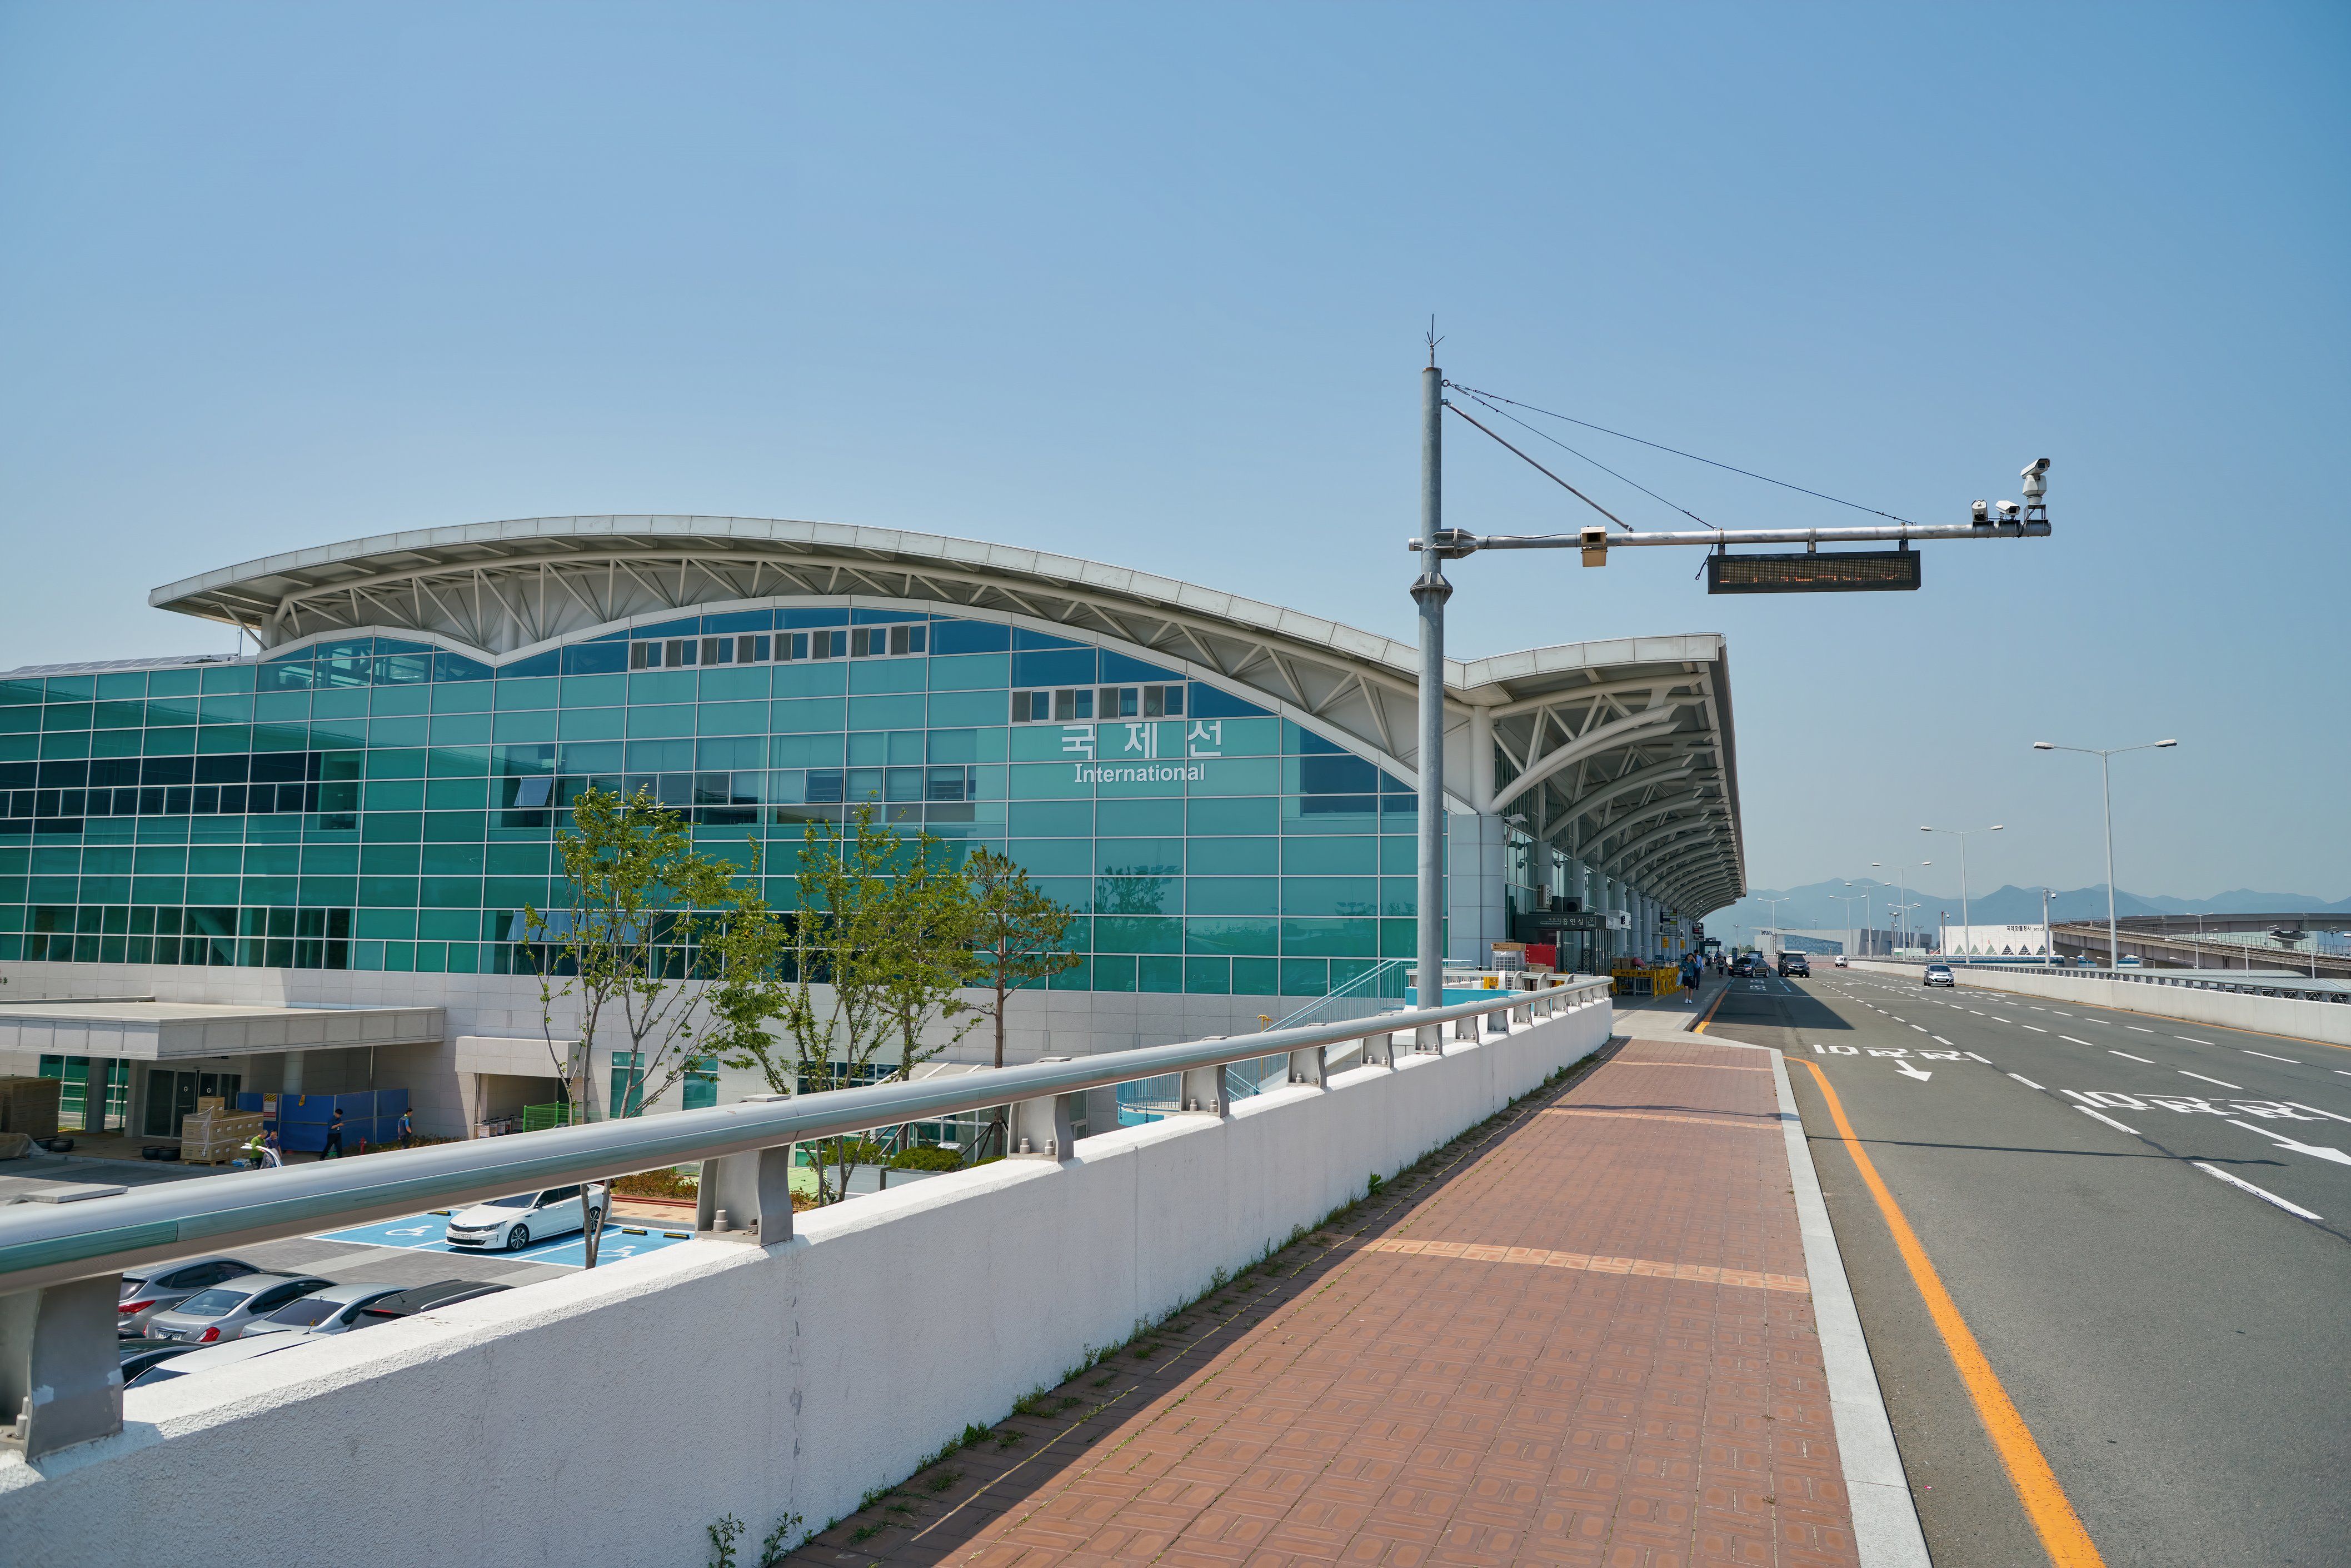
<point x="222" y="1313"/>
<point x="159" y="1287"/>
<point x="335" y="1310"/>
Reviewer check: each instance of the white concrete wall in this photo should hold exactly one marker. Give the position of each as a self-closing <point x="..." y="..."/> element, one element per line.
<point x="606" y="1418"/>
<point x="2327" y="1022"/>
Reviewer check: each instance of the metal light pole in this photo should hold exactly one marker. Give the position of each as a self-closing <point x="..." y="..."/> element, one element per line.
<point x="2047" y="941"/>
<point x="1429" y="591"/>
<point x="1779" y="938"/>
<point x="1901" y="881"/>
<point x="2107" y="792"/>
<point x="1962" y="834"/>
<point x="1847" y="899"/>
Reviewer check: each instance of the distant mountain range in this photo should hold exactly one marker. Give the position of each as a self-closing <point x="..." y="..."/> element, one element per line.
<point x="1812" y="907"/>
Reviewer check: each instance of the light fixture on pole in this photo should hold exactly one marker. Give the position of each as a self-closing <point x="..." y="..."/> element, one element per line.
<point x="2048" y="942"/>
<point x="1779" y="941"/>
<point x="1962" y="834"/>
<point x="1848" y="900"/>
<point x="2106" y="793"/>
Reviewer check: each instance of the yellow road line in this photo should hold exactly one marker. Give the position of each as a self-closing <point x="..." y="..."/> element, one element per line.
<point x="2045" y="1503"/>
<point x="1710" y="1009"/>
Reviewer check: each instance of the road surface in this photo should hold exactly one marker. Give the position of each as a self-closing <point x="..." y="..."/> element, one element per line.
<point x="2147" y="1227"/>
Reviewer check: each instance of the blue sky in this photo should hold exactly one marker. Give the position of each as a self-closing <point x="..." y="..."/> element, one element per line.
<point x="1146" y="284"/>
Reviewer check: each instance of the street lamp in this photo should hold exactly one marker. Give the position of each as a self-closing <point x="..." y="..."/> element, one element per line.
<point x="1848" y="899"/>
<point x="1901" y="881"/>
<point x="2106" y="790"/>
<point x="2048" y="943"/>
<point x="1962" y="834"/>
<point x="1779" y="938"/>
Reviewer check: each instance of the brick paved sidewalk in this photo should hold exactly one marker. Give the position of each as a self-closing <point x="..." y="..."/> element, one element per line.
<point x="1581" y="1335"/>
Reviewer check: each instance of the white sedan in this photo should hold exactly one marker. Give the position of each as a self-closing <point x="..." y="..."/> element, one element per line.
<point x="513" y="1223"/>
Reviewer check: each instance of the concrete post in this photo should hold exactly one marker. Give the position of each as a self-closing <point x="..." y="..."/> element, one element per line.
<point x="60" y="1364"/>
<point x="754" y="1190"/>
<point x="1204" y="1093"/>
<point x="292" y="1082"/>
<point x="1308" y="1066"/>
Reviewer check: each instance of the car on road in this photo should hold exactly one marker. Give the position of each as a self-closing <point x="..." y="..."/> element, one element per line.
<point x="1843" y="962"/>
<point x="1940" y="975"/>
<point x="1743" y="966"/>
<point x="1795" y="964"/>
<point x="224" y="1311"/>
<point x="333" y="1310"/>
<point x="423" y="1299"/>
<point x="511" y="1224"/>
<point x="160" y="1286"/>
<point x="212" y="1357"/>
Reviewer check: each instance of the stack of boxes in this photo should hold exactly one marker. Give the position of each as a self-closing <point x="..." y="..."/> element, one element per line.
<point x="29" y="1105"/>
<point x="214" y="1135"/>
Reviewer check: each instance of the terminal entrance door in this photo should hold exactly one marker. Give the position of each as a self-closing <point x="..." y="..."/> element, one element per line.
<point x="171" y="1097"/>
<point x="93" y="1096"/>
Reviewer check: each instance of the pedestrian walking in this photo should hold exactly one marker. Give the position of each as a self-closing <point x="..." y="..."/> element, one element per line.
<point x="334" y="1149"/>
<point x="407" y="1131"/>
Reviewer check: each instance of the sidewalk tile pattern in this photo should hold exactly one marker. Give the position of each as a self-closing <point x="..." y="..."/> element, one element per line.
<point x="1402" y="1390"/>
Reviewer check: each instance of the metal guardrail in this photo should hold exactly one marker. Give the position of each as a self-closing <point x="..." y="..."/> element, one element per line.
<point x="60" y="1261"/>
<point x="45" y="1244"/>
<point x="2247" y="982"/>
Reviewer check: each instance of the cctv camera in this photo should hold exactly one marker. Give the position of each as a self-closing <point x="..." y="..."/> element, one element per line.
<point x="1981" y="510"/>
<point x="2038" y="466"/>
<point x="2008" y="510"/>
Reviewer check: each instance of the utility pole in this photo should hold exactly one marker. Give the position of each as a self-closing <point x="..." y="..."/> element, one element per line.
<point x="1429" y="591"/>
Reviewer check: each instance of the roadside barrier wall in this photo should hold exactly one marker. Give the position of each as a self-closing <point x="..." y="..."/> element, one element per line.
<point x="2328" y="1023"/>
<point x="608" y="1418"/>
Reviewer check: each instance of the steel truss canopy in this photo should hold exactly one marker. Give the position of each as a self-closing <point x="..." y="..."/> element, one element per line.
<point x="1618" y="752"/>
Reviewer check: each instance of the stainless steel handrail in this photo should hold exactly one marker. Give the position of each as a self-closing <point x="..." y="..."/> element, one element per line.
<point x="42" y="1244"/>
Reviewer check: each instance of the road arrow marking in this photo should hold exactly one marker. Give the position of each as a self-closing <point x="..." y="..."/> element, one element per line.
<point x="2337" y="1156"/>
<point x="1909" y="1071"/>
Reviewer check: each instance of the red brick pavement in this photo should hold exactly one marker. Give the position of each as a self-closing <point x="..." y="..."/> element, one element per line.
<point x="1579" y="1337"/>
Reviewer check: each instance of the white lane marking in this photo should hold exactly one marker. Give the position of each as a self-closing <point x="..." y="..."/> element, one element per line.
<point x="2293" y="1208"/>
<point x="2061" y="1012"/>
<point x="2135" y="1030"/>
<point x="2033" y="1027"/>
<point x="2346" y="1074"/>
<point x="2287" y="1059"/>
<point x="1909" y="1071"/>
<point x="2123" y="1054"/>
<point x="2028" y="1083"/>
<point x="2221" y="1082"/>
<point x="2191" y="1039"/>
<point x="2093" y="1047"/>
<point x="2109" y="1121"/>
<point x="1938" y="1040"/>
<point x="1919" y="1027"/>
<point x="2315" y="1111"/>
<point x="1975" y="1013"/>
<point x="2314" y="1150"/>
<point x="1986" y="1061"/>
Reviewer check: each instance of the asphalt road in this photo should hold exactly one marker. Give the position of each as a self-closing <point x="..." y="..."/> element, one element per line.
<point x="2179" y="1346"/>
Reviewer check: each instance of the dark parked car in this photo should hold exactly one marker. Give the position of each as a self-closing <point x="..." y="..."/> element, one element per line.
<point x="139" y="1355"/>
<point x="1795" y="964"/>
<point x="423" y="1299"/>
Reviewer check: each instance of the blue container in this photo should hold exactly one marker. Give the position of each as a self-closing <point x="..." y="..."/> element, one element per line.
<point x="1455" y="994"/>
<point x="300" y="1110"/>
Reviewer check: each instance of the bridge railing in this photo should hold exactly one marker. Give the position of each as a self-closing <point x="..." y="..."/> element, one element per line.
<point x="62" y="1262"/>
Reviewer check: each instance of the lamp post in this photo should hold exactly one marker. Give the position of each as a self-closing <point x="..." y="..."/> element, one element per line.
<point x="1962" y="834"/>
<point x="2107" y="792"/>
<point x="1901" y="881"/>
<point x="1901" y="912"/>
<point x="2048" y="943"/>
<point x="1848" y="899"/>
<point x="1778" y="939"/>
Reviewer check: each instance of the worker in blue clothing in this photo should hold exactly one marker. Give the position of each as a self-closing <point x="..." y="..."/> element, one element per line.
<point x="334" y="1149"/>
<point x="407" y="1131"/>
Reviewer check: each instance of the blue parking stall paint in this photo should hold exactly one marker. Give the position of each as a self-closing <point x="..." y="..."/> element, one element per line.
<point x="429" y="1233"/>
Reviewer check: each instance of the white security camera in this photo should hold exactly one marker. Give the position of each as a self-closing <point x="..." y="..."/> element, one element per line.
<point x="2008" y="511"/>
<point x="2036" y="480"/>
<point x="1983" y="513"/>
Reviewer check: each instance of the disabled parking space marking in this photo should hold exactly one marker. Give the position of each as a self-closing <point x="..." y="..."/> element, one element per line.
<point x="429" y="1233"/>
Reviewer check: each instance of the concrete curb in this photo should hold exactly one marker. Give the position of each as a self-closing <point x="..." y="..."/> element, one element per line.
<point x="1884" y="1516"/>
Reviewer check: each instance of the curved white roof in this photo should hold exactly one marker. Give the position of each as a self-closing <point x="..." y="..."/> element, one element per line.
<point x="1620" y="750"/>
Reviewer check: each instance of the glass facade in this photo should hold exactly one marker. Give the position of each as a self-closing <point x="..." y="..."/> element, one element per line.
<point x="371" y="803"/>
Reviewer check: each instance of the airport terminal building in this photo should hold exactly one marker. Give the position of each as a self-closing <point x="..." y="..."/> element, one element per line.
<point x="303" y="869"/>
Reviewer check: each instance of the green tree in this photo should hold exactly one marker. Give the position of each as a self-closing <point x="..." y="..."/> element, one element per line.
<point x="1017" y="934"/>
<point x="613" y="957"/>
